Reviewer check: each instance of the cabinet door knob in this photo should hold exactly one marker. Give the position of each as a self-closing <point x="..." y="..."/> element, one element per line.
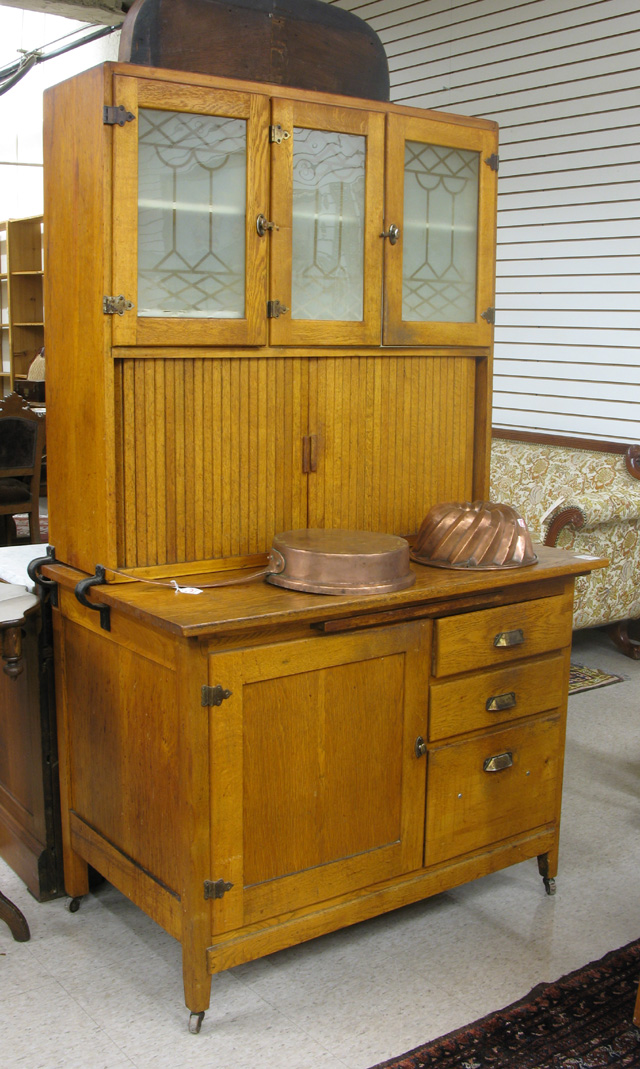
<point x="498" y="762"/>
<point x="393" y="233"/>
<point x="263" y="224"/>
<point x="420" y="747"/>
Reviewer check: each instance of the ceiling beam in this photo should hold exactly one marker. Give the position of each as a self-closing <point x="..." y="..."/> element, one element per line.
<point x="104" y="12"/>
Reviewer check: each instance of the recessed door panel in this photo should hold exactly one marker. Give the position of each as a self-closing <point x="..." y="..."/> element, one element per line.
<point x="317" y="786"/>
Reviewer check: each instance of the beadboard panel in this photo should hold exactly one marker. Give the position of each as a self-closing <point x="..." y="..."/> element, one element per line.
<point x="396" y="435"/>
<point x="387" y="437"/>
<point x="235" y="426"/>
<point x="561" y="79"/>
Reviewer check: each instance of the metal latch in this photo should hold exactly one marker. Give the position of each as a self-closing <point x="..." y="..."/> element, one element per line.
<point x="277" y="134"/>
<point x="216" y="888"/>
<point x="489" y="315"/>
<point x="275" y="309"/>
<point x="214" y="695"/>
<point x="393" y="233"/>
<point x="116" y="115"/>
<point x="493" y="161"/>
<point x="116" y="306"/>
<point x="420" y="748"/>
<point x="263" y="224"/>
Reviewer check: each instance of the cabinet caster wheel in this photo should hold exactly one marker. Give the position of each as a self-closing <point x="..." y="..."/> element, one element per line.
<point x="73" y="905"/>
<point x="549" y="885"/>
<point x="195" y="1022"/>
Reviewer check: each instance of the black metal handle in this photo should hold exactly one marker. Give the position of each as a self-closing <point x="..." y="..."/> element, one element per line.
<point x="33" y="571"/>
<point x="81" y="593"/>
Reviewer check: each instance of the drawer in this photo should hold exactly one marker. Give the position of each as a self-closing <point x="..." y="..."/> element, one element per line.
<point x="501" y="635"/>
<point x="469" y="808"/>
<point x="495" y="696"/>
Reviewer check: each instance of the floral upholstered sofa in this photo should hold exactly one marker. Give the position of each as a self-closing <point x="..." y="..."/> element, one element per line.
<point x="584" y="496"/>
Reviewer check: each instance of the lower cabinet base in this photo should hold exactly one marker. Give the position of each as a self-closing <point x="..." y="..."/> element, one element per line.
<point x="256" y="782"/>
<point x="250" y="943"/>
<point x="278" y="933"/>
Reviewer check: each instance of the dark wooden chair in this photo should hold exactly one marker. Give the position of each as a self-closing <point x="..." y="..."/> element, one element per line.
<point x="21" y="448"/>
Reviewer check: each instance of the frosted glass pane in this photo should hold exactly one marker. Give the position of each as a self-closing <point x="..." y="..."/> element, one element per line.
<point x="440" y="234"/>
<point x="191" y="215"/>
<point x="328" y="225"/>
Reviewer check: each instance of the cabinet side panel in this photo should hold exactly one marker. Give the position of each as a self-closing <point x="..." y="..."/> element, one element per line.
<point x="123" y="745"/>
<point x="396" y="435"/>
<point x="79" y="385"/>
<point x="210" y="449"/>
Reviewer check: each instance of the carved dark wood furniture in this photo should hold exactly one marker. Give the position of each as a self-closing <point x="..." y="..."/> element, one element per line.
<point x="21" y="448"/>
<point x="30" y="840"/>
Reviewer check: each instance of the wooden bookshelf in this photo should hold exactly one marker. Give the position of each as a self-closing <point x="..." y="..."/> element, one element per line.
<point x="21" y="283"/>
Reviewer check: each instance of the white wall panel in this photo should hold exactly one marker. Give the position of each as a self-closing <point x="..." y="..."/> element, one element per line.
<point x="561" y="78"/>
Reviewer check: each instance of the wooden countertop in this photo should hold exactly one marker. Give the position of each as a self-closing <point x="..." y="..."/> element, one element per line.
<point x="259" y="604"/>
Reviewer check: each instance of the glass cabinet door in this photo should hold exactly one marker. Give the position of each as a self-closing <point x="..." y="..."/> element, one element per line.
<point x="326" y="210"/>
<point x="190" y="179"/>
<point x="440" y="226"/>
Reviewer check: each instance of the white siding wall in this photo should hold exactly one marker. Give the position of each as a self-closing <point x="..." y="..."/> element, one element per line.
<point x="21" y="189"/>
<point x="561" y="78"/>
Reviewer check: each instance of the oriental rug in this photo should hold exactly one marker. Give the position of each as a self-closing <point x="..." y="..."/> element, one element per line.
<point x="583" y="678"/>
<point x="582" y="1021"/>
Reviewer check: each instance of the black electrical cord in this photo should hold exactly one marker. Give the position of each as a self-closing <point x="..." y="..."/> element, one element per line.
<point x="14" y="72"/>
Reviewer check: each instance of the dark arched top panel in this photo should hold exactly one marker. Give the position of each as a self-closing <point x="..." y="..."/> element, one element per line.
<point x="306" y="44"/>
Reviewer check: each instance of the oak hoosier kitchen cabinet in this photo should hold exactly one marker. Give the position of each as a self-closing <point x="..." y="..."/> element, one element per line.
<point x="267" y="310"/>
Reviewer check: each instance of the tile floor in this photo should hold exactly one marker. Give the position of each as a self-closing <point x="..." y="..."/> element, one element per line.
<point x="102" y="988"/>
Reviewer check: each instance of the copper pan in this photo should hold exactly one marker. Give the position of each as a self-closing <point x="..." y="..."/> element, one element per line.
<point x="340" y="562"/>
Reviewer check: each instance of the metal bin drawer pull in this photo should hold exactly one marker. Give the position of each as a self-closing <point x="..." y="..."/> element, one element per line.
<point x="509" y="638"/>
<point x="501" y="701"/>
<point x="497" y="763"/>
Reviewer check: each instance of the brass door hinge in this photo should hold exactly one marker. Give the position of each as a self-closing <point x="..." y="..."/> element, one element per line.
<point x="116" y="306"/>
<point x="493" y="161"/>
<point x="489" y="315"/>
<point x="277" y="134"/>
<point x="116" y="115"/>
<point x="216" y="888"/>
<point x="275" y="309"/>
<point x="214" y="695"/>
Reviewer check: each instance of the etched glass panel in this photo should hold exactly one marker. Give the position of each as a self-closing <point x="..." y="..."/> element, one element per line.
<point x="191" y="215"/>
<point x="328" y="225"/>
<point x="440" y="234"/>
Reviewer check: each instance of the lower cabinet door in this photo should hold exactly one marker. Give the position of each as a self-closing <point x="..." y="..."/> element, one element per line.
<point x="316" y="788"/>
<point x="493" y="787"/>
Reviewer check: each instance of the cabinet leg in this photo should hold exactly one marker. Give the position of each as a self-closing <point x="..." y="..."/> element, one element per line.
<point x="197" y="986"/>
<point x="548" y="868"/>
<point x="76" y="876"/>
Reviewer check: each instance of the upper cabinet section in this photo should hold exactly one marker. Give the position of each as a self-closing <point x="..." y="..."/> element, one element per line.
<point x="440" y="226"/>
<point x="241" y="219"/>
<point x="190" y="179"/>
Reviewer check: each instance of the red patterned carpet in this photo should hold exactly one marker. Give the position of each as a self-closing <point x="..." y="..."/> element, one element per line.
<point x="582" y="1021"/>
